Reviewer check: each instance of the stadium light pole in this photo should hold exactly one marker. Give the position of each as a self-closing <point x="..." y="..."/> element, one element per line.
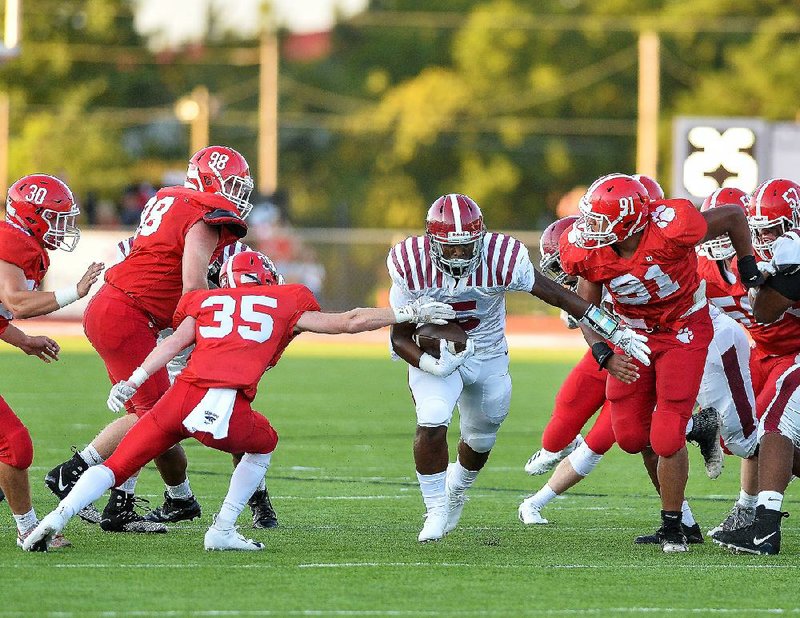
<point x="195" y="110"/>
<point x="268" y="114"/>
<point x="648" y="100"/>
<point x="10" y="49"/>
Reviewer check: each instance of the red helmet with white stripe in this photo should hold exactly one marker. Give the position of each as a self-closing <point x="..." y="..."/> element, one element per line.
<point x="613" y="208"/>
<point x="221" y="170"/>
<point x="773" y="209"/>
<point x="44" y="206"/>
<point x="652" y="187"/>
<point x="455" y="228"/>
<point x="550" y="262"/>
<point x="720" y="248"/>
<point x="248" y="268"/>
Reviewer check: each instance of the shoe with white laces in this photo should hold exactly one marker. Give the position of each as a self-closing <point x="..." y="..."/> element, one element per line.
<point x="455" y="502"/>
<point x="530" y="514"/>
<point x="739" y="517"/>
<point x="543" y="461"/>
<point x="43" y="536"/>
<point x="435" y="524"/>
<point x="228" y="539"/>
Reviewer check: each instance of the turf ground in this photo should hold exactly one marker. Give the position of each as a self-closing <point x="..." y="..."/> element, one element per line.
<point x="343" y="484"/>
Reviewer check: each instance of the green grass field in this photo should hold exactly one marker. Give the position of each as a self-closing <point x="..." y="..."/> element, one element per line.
<point x="342" y="481"/>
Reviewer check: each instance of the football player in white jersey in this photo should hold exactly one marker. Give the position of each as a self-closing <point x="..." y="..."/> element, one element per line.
<point x="458" y="262"/>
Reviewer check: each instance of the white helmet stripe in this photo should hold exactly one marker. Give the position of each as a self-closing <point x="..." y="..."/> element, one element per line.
<point x="759" y="196"/>
<point x="456" y="211"/>
<point x="229" y="272"/>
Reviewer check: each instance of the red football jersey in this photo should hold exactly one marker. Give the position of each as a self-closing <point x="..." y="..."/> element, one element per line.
<point x="24" y="251"/>
<point x="241" y="332"/>
<point x="658" y="286"/>
<point x="726" y="291"/>
<point x="152" y="273"/>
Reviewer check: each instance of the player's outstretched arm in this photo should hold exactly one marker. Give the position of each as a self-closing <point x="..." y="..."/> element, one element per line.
<point x="39" y="346"/>
<point x="24" y="303"/>
<point x="732" y="221"/>
<point x="183" y="337"/>
<point x="199" y="245"/>
<point x="358" y="320"/>
<point x="593" y="317"/>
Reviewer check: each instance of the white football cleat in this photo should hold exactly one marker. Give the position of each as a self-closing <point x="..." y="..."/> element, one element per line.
<point x="229" y="540"/>
<point x="42" y="537"/>
<point x="435" y="524"/>
<point x="543" y="461"/>
<point x="530" y="514"/>
<point x="455" y="503"/>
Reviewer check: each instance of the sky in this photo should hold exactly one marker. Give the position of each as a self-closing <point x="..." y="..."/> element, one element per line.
<point x="181" y="21"/>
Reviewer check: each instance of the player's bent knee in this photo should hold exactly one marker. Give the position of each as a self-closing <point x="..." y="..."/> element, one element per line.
<point x="632" y="442"/>
<point x="434" y="412"/>
<point x="262" y="460"/>
<point x="667" y="446"/>
<point x="480" y="442"/>
<point x="583" y="459"/>
<point x="20" y="449"/>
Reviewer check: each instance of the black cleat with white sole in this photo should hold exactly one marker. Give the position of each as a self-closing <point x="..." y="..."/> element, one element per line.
<point x="693" y="534"/>
<point x="120" y="515"/>
<point x="263" y="514"/>
<point x="762" y="537"/>
<point x="61" y="479"/>
<point x="175" y="509"/>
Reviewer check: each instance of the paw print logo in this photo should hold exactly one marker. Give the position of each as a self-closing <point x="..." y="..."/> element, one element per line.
<point x="685" y="335"/>
<point x="663" y="215"/>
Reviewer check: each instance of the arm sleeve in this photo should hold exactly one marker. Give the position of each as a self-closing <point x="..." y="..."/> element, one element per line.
<point x="785" y="284"/>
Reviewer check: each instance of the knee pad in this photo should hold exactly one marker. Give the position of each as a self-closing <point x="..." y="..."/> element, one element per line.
<point x="584" y="459"/>
<point x="479" y="442"/>
<point x="633" y="441"/>
<point x="434" y="412"/>
<point x="668" y="433"/>
<point x="262" y="460"/>
<point x="19" y="453"/>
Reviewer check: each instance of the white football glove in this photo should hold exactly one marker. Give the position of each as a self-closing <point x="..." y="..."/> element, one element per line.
<point x="767" y="268"/>
<point x="447" y="362"/>
<point x="120" y="393"/>
<point x="425" y="310"/>
<point x="632" y="343"/>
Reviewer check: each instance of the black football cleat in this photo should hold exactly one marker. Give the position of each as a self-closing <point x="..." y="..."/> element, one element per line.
<point x="693" y="534"/>
<point x="120" y="515"/>
<point x="61" y="479"/>
<point x="762" y="537"/>
<point x="175" y="509"/>
<point x="705" y="434"/>
<point x="264" y="515"/>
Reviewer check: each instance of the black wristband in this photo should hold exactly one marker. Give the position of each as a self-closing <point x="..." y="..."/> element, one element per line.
<point x="748" y="272"/>
<point x="602" y="353"/>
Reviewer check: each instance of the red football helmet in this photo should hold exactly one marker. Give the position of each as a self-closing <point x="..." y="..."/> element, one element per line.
<point x="550" y="262"/>
<point x="773" y="209"/>
<point x="248" y="268"/>
<point x="720" y="248"/>
<point x="44" y="206"/>
<point x="652" y="187"/>
<point x="221" y="170"/>
<point x="614" y="208"/>
<point x="455" y="228"/>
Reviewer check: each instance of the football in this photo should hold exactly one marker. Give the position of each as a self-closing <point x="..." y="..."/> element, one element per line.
<point x="427" y="338"/>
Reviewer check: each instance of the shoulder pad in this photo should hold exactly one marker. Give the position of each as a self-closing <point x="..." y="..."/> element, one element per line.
<point x="226" y="218"/>
<point x="786" y="252"/>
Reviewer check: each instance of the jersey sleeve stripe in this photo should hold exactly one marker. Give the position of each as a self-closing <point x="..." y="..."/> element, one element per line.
<point x="395" y="261"/>
<point x="426" y="247"/>
<point x="501" y="257"/>
<point x="512" y="262"/>
<point x="417" y="253"/>
<point x="406" y="270"/>
<point x="489" y="259"/>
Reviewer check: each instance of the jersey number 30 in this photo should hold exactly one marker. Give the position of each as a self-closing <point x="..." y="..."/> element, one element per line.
<point x="260" y="324"/>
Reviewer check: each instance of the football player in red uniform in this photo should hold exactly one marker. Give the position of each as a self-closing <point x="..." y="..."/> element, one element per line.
<point x="643" y="254"/>
<point x="240" y="331"/>
<point x="458" y="262"/>
<point x="772" y="209"/>
<point x="40" y="215"/>
<point x="181" y="229"/>
<point x="779" y="427"/>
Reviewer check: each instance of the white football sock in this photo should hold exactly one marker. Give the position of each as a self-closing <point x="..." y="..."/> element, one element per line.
<point x="182" y="491"/>
<point x="583" y="459"/>
<point x="92" y="484"/>
<point x="262" y="486"/>
<point x="540" y="499"/>
<point x="772" y="500"/>
<point x="90" y="456"/>
<point x="27" y="521"/>
<point x="689" y="425"/>
<point x="432" y="488"/>
<point x="687" y="518"/>
<point x="129" y="486"/>
<point x="460" y="478"/>
<point x="244" y="481"/>
<point x="746" y="500"/>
